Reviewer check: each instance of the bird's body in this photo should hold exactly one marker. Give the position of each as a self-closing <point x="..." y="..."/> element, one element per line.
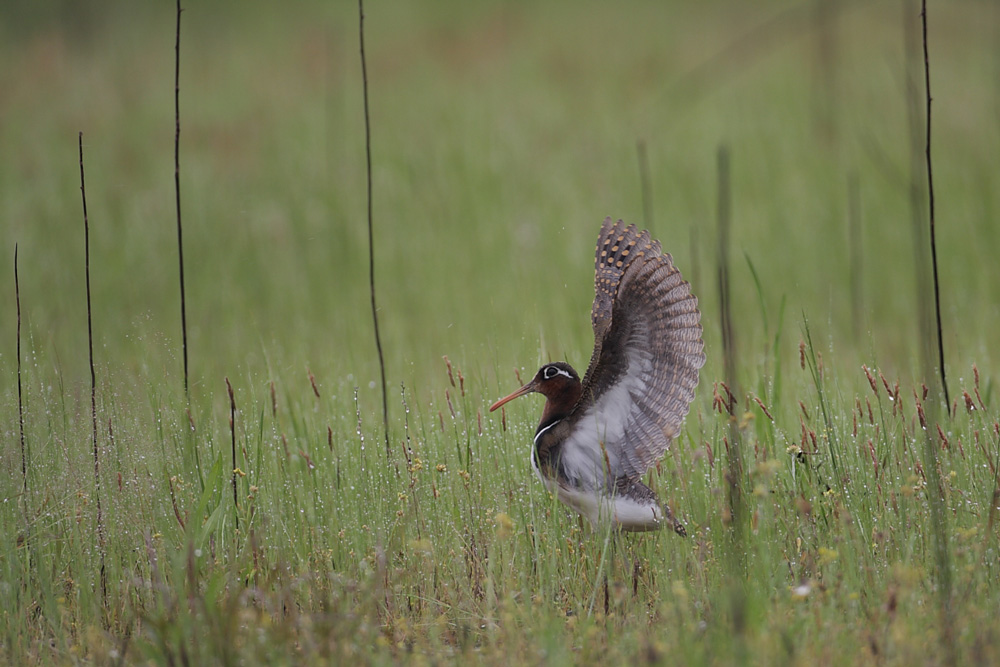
<point x="599" y="435"/>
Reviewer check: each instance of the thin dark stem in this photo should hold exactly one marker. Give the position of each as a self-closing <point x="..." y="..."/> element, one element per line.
<point x="937" y="499"/>
<point x="917" y="197"/>
<point x="371" y="234"/>
<point x="177" y="191"/>
<point x="232" y="430"/>
<point x="644" y="180"/>
<point x="20" y="418"/>
<point x="20" y="398"/>
<point x="930" y="200"/>
<point x="93" y="379"/>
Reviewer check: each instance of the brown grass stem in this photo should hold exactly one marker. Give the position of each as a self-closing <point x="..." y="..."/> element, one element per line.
<point x="93" y="381"/>
<point x="409" y="456"/>
<point x="177" y="193"/>
<point x="371" y="233"/>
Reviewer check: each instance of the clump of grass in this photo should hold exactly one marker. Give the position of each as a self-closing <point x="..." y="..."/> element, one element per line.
<point x="342" y="559"/>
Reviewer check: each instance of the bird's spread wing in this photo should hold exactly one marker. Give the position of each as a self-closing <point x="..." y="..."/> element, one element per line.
<point x="647" y="353"/>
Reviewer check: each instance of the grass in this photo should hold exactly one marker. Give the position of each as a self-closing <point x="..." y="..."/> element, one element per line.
<point x="502" y="135"/>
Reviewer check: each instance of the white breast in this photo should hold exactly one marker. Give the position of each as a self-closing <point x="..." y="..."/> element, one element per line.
<point x="624" y="512"/>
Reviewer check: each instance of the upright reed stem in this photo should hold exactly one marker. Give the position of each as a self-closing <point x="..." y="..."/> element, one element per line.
<point x="232" y="430"/>
<point x="177" y="192"/>
<point x="918" y="213"/>
<point x="93" y="382"/>
<point x="930" y="201"/>
<point x="936" y="490"/>
<point x="371" y="234"/>
<point x="20" y="397"/>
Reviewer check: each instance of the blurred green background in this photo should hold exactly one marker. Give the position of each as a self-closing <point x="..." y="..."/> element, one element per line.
<point x="503" y="133"/>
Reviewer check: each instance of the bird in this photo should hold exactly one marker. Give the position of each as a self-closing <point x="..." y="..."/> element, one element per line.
<point x="598" y="436"/>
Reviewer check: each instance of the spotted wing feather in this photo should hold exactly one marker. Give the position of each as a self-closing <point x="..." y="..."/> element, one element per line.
<point x="647" y="353"/>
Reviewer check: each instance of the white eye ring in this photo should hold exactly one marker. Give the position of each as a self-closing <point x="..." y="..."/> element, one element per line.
<point x="550" y="372"/>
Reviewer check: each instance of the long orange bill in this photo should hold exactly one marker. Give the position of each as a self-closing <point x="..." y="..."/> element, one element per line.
<point x="526" y="389"/>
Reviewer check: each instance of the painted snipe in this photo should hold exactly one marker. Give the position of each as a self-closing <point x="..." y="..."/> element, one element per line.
<point x="598" y="437"/>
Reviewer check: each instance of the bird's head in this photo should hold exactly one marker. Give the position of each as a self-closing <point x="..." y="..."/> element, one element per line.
<point x="558" y="382"/>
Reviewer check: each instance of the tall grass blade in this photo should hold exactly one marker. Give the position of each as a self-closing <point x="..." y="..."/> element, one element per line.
<point x="371" y="233"/>
<point x="101" y="540"/>
<point x="20" y="391"/>
<point x="177" y="194"/>
<point x="930" y="202"/>
<point x="936" y="491"/>
<point x="235" y="470"/>
<point x="918" y="212"/>
<point x="20" y="418"/>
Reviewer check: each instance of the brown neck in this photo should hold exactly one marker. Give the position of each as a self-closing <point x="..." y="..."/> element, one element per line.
<point x="560" y="404"/>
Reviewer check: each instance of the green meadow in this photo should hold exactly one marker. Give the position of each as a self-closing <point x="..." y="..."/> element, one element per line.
<point x="502" y="135"/>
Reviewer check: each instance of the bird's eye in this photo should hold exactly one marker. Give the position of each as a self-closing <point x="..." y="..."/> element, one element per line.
<point x="550" y="372"/>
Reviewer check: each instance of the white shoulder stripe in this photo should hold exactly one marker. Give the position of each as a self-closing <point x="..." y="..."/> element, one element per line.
<point x="537" y="435"/>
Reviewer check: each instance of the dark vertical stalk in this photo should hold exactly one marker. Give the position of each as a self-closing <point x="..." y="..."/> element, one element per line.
<point x="734" y="474"/>
<point x="856" y="259"/>
<point x="936" y="494"/>
<point x="232" y="430"/>
<point x="371" y="234"/>
<point x="930" y="202"/>
<point x="20" y="397"/>
<point x="177" y="193"/>
<point x="93" y="382"/>
<point x="646" y="183"/>
<point x="20" y="418"/>
<point x="918" y="212"/>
